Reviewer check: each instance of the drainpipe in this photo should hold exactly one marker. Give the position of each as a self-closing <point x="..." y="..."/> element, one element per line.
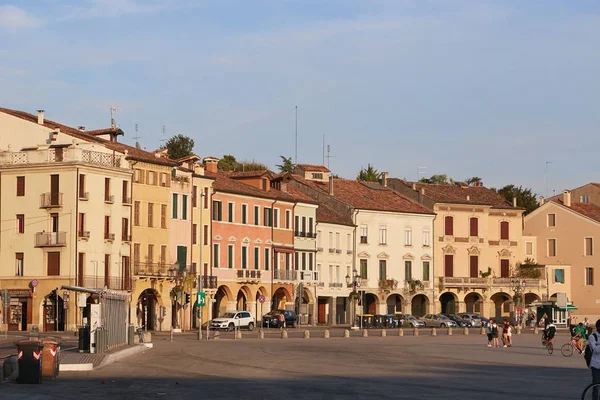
<point x="77" y="188"/>
<point x="273" y="256"/>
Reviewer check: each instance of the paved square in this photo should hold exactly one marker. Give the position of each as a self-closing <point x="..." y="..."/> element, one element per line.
<point x="423" y="367"/>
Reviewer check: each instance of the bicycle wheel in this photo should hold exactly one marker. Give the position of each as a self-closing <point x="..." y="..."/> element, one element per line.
<point x="567" y="350"/>
<point x="589" y="390"/>
<point x="550" y="348"/>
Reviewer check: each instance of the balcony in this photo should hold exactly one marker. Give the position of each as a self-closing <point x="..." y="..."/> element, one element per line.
<point x="152" y="269"/>
<point x="309" y="276"/>
<point x="332" y="251"/>
<point x="338" y="251"/>
<point x="320" y="249"/>
<point x="111" y="282"/>
<point x="126" y="238"/>
<point x="55" y="155"/>
<point x="85" y="235"/>
<point x="388" y="284"/>
<point x="109" y="199"/>
<point x="506" y="283"/>
<point x="464" y="283"/>
<point x="335" y="285"/>
<point x="349" y="252"/>
<point x="363" y="239"/>
<point x="84" y="196"/>
<point x="51" y="200"/>
<point x="284" y="275"/>
<point x="249" y="275"/>
<point x="209" y="282"/>
<point x="126" y="201"/>
<point x="50" y="239"/>
<point x="109" y="237"/>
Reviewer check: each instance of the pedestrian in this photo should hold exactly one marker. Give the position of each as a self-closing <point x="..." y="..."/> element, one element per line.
<point x="594" y="345"/>
<point x="543" y="321"/>
<point x="586" y="325"/>
<point x="505" y="331"/>
<point x="494" y="333"/>
<point x="509" y="335"/>
<point x="488" y="331"/>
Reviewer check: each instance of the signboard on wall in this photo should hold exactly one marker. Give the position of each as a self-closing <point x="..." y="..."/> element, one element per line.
<point x="561" y="300"/>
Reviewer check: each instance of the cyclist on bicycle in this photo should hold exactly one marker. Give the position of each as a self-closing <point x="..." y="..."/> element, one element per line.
<point x="579" y="336"/>
<point x="550" y="331"/>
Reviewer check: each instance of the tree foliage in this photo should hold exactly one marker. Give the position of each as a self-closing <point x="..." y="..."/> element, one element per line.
<point x="179" y="146"/>
<point x="251" y="166"/>
<point x="525" y="197"/>
<point x="437" y="179"/>
<point x="230" y="163"/>
<point x="369" y="174"/>
<point x="473" y="181"/>
<point x="286" y="164"/>
<point x="227" y="163"/>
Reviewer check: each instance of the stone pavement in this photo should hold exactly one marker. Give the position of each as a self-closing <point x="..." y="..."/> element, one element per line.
<point x="409" y="367"/>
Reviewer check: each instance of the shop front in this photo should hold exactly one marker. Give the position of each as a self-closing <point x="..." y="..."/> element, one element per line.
<point x="19" y="309"/>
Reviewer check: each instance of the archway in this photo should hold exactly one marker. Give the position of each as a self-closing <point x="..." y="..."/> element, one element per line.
<point x="473" y="303"/>
<point x="501" y="304"/>
<point x="280" y="297"/>
<point x="242" y="299"/>
<point x="419" y="305"/>
<point x="147" y="310"/>
<point x="370" y="305"/>
<point x="531" y="298"/>
<point x="54" y="312"/>
<point x="222" y="297"/>
<point x="394" y="304"/>
<point x="448" y="302"/>
<point x="261" y="308"/>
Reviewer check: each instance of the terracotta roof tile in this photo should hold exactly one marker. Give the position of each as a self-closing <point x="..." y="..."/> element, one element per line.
<point x="311" y="167"/>
<point x="223" y="183"/>
<point x="250" y="174"/>
<point x="105" y="131"/>
<point x="589" y="210"/>
<point x="327" y="215"/>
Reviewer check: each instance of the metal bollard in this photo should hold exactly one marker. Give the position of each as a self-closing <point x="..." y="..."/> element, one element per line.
<point x="365" y="333"/>
<point x="483" y="330"/>
<point x="171" y="335"/>
<point x="306" y="334"/>
<point x="346" y="333"/>
<point x="284" y="334"/>
<point x="415" y="332"/>
<point x="466" y="331"/>
<point x="535" y="330"/>
<point x="216" y="335"/>
<point x="518" y="330"/>
<point x="433" y="332"/>
<point x="261" y="334"/>
<point x="449" y="331"/>
<point x="400" y="332"/>
<point x="326" y="334"/>
<point x="383" y="333"/>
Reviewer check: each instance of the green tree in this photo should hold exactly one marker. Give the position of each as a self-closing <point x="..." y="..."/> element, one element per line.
<point x="286" y="164"/>
<point x="179" y="146"/>
<point x="227" y="163"/>
<point x="437" y="179"/>
<point x="251" y="166"/>
<point x="525" y="197"/>
<point x="473" y="181"/>
<point x="369" y="174"/>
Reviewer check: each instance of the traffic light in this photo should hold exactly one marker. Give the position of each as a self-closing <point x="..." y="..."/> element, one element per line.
<point x="187" y="298"/>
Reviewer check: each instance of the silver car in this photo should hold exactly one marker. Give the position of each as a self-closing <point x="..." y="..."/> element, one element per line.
<point x="474" y="319"/>
<point x="437" y="320"/>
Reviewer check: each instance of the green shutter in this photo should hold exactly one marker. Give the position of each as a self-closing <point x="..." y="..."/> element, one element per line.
<point x="363" y="269"/>
<point x="559" y="275"/>
<point x="244" y="257"/>
<point x="230" y="212"/>
<point x="182" y="256"/>
<point x="267" y="259"/>
<point x="425" y="270"/>
<point x="216" y="255"/>
<point x="220" y="213"/>
<point x="382" y="270"/>
<point x="244" y="214"/>
<point x="408" y="270"/>
<point x="175" y="206"/>
<point x="184" y="207"/>
<point x="230" y="254"/>
<point x="256" y="215"/>
<point x="256" y="257"/>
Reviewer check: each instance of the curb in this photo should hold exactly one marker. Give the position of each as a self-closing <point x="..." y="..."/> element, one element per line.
<point x="119" y="355"/>
<point x="76" y="367"/>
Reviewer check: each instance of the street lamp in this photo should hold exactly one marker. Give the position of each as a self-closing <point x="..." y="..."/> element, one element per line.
<point x="518" y="286"/>
<point x="353" y="282"/>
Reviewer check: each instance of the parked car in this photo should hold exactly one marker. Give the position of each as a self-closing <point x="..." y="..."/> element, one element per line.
<point x="414" y="322"/>
<point x="438" y="320"/>
<point x="474" y="319"/>
<point x="234" y="319"/>
<point x="459" y="321"/>
<point x="271" y="319"/>
<point x="484" y="321"/>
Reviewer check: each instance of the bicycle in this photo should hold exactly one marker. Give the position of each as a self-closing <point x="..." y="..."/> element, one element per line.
<point x="568" y="348"/>
<point x="589" y="391"/>
<point x="544" y="338"/>
<point x="549" y="347"/>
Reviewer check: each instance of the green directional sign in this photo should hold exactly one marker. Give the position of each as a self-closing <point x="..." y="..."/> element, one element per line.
<point x="201" y="299"/>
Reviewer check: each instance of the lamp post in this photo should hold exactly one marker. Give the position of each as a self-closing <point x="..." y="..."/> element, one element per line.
<point x="353" y="282"/>
<point x="201" y="266"/>
<point x="518" y="286"/>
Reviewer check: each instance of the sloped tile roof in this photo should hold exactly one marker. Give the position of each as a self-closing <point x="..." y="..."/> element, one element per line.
<point x="312" y="167"/>
<point x="327" y="215"/>
<point x="250" y="174"/>
<point x="105" y="131"/>
<point x="589" y="210"/>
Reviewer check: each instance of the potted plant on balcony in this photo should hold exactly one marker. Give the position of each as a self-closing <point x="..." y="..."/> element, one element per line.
<point x="388" y="284"/>
<point x="486" y="274"/>
<point x="414" y="285"/>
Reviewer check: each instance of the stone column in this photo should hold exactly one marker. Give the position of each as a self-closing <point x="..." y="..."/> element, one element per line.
<point x="332" y="311"/>
<point x="251" y="306"/>
<point x="382" y="307"/>
<point x="231" y="305"/>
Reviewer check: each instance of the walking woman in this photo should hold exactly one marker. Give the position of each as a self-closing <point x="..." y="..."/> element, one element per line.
<point x="494" y="332"/>
<point x="488" y="331"/>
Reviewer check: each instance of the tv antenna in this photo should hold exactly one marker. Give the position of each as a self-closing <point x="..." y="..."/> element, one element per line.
<point x="296" y="148"/>
<point x="420" y="171"/>
<point x="329" y="156"/>
<point x="114" y="109"/>
<point x="164" y="138"/>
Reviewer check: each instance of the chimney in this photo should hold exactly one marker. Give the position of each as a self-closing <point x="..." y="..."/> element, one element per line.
<point x="415" y="187"/>
<point x="211" y="164"/>
<point x="40" y="117"/>
<point x="81" y="128"/>
<point x="468" y="198"/>
<point x="422" y="191"/>
<point x="331" y="185"/>
<point x="384" y="179"/>
<point x="542" y="200"/>
<point x="515" y="202"/>
<point x="567" y="198"/>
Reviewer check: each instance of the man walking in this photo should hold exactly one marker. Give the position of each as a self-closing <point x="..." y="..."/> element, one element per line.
<point x="594" y="344"/>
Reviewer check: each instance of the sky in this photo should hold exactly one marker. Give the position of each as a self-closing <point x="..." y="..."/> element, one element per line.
<point x="503" y="90"/>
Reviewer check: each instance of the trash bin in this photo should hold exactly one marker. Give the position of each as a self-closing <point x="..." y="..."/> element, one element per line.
<point x="50" y="357"/>
<point x="30" y="361"/>
<point x="84" y="339"/>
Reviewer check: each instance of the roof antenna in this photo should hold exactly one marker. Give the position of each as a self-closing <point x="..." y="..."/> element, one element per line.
<point x="113" y="110"/>
<point x="296" y="149"/>
<point x="329" y="156"/>
<point x="136" y="137"/>
<point x="163" y="140"/>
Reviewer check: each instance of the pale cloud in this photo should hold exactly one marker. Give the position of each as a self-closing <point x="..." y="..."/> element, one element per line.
<point x="115" y="8"/>
<point x="13" y="18"/>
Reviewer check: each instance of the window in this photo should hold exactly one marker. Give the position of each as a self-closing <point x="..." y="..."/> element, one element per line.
<point x="20" y="186"/>
<point x="303" y="261"/>
<point x="163" y="254"/>
<point x="163" y="216"/>
<point x="426" y="275"/>
<point x="551" y="219"/>
<point x="19" y="264"/>
<point x="529" y="248"/>
<point x="310" y="261"/>
<point x="151" y="178"/>
<point x="276" y="218"/>
<point x="125" y="230"/>
<point x="363" y="269"/>
<point x="584" y="198"/>
<point x="150" y="215"/>
<point x="348" y="243"/>
<point x="205" y="236"/>
<point x="408" y="270"/>
<point x="408" y="237"/>
<point x="363" y="233"/>
<point x="194" y="233"/>
<point x="82" y="186"/>
<point x="268" y="217"/>
<point x="288" y="219"/>
<point x="80" y="268"/>
<point x="244" y="213"/>
<point x="81" y="224"/>
<point x="107" y="270"/>
<point x="53" y="266"/>
<point x="267" y="259"/>
<point x="256" y="257"/>
<point x="473" y="266"/>
<point x="256" y="214"/>
<point x="382" y="269"/>
<point x="164" y="179"/>
<point x="150" y="254"/>
<point x="317" y="175"/>
<point x="216" y="255"/>
<point x="319" y="244"/>
<point x="217" y="211"/>
<point x="184" y="209"/>
<point x="107" y="189"/>
<point x="559" y="275"/>
<point x="230" y="256"/>
<point x="449" y="225"/>
<point x="337" y="241"/>
<point x="297" y="261"/>
<point x="310" y="226"/>
<point x="473" y="227"/>
<point x="244" y="257"/>
<point x="20" y="223"/>
<point x="106" y="226"/>
<point x="175" y="201"/>
<point x="303" y="226"/>
<point x="297" y="225"/>
<point x="448" y="265"/>
<point x="205" y="198"/>
<point x="125" y="194"/>
<point x="331" y="242"/>
<point x="138" y="176"/>
<point x="589" y="276"/>
<point x="504" y="230"/>
<point x="195" y="196"/>
<point x="551" y="247"/>
<point x="136" y="213"/>
<point x="136" y="253"/>
<point x="504" y="268"/>
<point x="589" y="246"/>
<point x="382" y="235"/>
<point x="229" y="212"/>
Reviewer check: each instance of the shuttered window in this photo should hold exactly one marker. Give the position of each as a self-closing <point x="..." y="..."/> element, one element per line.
<point x="474" y="227"/>
<point x="504" y="268"/>
<point x="474" y="266"/>
<point x="504" y="230"/>
<point x="53" y="263"/>
<point x="20" y="186"/>
<point x="449" y="226"/>
<point x="448" y="265"/>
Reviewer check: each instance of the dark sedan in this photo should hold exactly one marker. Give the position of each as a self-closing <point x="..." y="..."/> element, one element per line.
<point x="459" y="321"/>
<point x="272" y="319"/>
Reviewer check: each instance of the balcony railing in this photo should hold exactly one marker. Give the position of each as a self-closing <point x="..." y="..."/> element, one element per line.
<point x="284" y="274"/>
<point x="110" y="237"/>
<point x="110" y="282"/>
<point x="309" y="276"/>
<point x="84" y="196"/>
<point x="210" y="282"/>
<point x="51" y="200"/>
<point x="457" y="282"/>
<point x="126" y="201"/>
<point x="332" y="250"/>
<point x="319" y="249"/>
<point x="109" y="198"/>
<point x="388" y="284"/>
<point x="152" y="269"/>
<point x="83" y="234"/>
<point x="126" y="238"/>
<point x="310" y="235"/>
<point x="55" y="155"/>
<point x="249" y="274"/>
<point x="363" y="239"/>
<point x="338" y="251"/>
<point x="335" y="285"/>
<point x="50" y="239"/>
<point x="349" y="251"/>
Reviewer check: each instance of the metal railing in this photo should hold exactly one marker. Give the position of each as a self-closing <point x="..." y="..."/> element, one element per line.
<point x="151" y="269"/>
<point x="109" y="236"/>
<point x="210" y="282"/>
<point x="319" y="249"/>
<point x="126" y="238"/>
<point x="338" y="251"/>
<point x="335" y="285"/>
<point x="461" y="282"/>
<point x="83" y="234"/>
<point x="110" y="282"/>
<point x="50" y="239"/>
<point x="109" y="198"/>
<point x="284" y="274"/>
<point x="51" y="200"/>
<point x="332" y="250"/>
<point x="249" y="274"/>
<point x="126" y="201"/>
<point x="84" y="196"/>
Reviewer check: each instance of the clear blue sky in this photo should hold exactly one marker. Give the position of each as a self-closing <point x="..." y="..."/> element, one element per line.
<point x="487" y="88"/>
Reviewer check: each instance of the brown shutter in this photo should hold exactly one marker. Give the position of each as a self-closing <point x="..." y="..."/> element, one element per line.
<point x="81" y="223"/>
<point x="53" y="264"/>
<point x="106" y="226"/>
<point x="448" y="265"/>
<point x="195" y="196"/>
<point x="80" y="268"/>
<point x="106" y="189"/>
<point x="474" y="227"/>
<point x="205" y="236"/>
<point x="504" y="230"/>
<point x="81" y="186"/>
<point x="125" y="229"/>
<point x="54" y="185"/>
<point x="20" y="186"/>
<point x="449" y="226"/>
<point x="107" y="270"/>
<point x="504" y="268"/>
<point x="125" y="194"/>
<point x="474" y="266"/>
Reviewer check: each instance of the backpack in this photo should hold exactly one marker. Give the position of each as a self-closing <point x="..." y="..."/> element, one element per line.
<point x="587" y="354"/>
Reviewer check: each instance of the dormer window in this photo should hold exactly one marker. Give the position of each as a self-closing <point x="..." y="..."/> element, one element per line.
<point x="317" y="175"/>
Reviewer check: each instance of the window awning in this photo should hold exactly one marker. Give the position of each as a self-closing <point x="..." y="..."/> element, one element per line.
<point x="569" y="307"/>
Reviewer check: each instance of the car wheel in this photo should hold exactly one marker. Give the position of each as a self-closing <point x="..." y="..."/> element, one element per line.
<point x="231" y="327"/>
<point x="251" y="326"/>
<point x="442" y="325"/>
